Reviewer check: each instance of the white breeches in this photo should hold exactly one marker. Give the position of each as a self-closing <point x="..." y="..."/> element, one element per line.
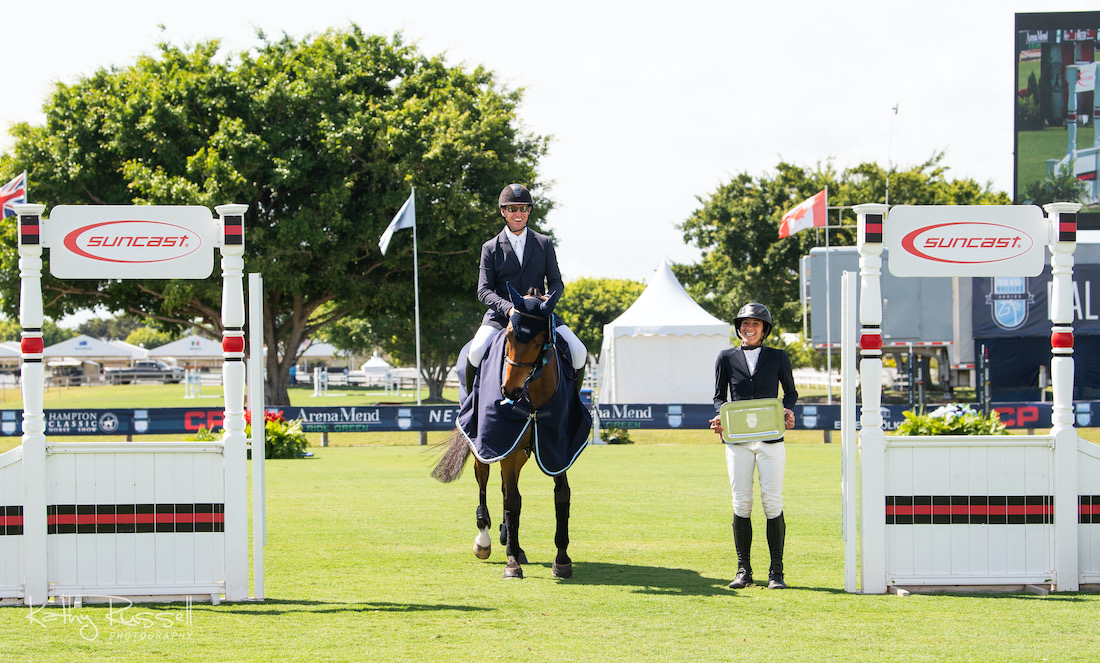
<point x="768" y="460"/>
<point x="578" y="354"/>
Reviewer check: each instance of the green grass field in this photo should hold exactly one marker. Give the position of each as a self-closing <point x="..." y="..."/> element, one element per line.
<point x="1035" y="147"/>
<point x="370" y="559"/>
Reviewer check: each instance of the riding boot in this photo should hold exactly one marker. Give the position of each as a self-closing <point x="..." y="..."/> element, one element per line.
<point x="777" y="534"/>
<point x="471" y="372"/>
<point x="742" y="541"/>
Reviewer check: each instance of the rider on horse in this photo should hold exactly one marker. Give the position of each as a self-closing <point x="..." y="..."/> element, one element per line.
<point x="525" y="259"/>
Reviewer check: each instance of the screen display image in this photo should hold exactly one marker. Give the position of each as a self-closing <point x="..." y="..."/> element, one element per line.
<point x="1057" y="145"/>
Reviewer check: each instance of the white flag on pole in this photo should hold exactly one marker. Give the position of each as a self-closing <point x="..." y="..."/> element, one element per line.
<point x="405" y="218"/>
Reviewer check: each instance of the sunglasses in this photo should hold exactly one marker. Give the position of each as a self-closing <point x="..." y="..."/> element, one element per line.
<point x="512" y="209"/>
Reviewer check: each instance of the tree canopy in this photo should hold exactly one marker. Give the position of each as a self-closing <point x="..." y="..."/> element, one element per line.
<point x="737" y="228"/>
<point x="322" y="137"/>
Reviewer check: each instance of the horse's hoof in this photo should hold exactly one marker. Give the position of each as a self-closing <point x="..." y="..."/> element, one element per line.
<point x="513" y="572"/>
<point x="561" y="570"/>
<point x="482" y="553"/>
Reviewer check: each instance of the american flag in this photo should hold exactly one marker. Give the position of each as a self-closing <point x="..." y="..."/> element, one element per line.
<point x="12" y="193"/>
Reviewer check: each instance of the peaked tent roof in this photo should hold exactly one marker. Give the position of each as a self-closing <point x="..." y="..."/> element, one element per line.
<point x="375" y="364"/>
<point x="136" y="351"/>
<point x="189" y="347"/>
<point x="666" y="308"/>
<point x="661" y="349"/>
<point x="86" y="347"/>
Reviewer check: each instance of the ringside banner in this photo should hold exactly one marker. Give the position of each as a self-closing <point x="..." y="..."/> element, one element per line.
<point x="966" y="240"/>
<point x="130" y="241"/>
<point x="392" y="418"/>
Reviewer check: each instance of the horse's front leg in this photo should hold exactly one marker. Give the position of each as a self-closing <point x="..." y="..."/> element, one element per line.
<point x="483" y="543"/>
<point x="562" y="566"/>
<point x="513" y="502"/>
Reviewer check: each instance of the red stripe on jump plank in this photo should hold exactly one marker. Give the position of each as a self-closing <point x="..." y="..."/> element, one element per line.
<point x="956" y="509"/>
<point x="11" y="521"/>
<point x="110" y="518"/>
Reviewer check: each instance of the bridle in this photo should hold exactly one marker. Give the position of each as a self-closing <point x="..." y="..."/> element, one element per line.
<point x="541" y="359"/>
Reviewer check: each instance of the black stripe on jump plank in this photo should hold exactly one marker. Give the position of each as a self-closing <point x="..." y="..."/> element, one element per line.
<point x="970" y="509"/>
<point x="135" y="518"/>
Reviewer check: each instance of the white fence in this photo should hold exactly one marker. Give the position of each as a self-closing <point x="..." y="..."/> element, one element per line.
<point x="158" y="519"/>
<point x="962" y="511"/>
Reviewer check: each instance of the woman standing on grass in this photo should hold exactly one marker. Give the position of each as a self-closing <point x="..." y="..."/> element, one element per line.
<point x="748" y="372"/>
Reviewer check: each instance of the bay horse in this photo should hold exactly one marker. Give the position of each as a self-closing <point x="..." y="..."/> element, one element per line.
<point x="529" y="380"/>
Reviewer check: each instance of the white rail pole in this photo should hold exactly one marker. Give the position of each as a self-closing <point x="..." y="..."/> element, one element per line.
<point x="256" y="402"/>
<point x="850" y="531"/>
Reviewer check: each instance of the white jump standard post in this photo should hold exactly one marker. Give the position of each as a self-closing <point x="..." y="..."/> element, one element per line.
<point x="233" y="372"/>
<point x="1063" y="227"/>
<point x="872" y="438"/>
<point x="36" y="583"/>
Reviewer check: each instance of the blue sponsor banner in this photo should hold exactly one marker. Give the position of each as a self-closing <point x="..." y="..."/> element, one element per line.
<point x="391" y="418"/>
<point x="1017" y="306"/>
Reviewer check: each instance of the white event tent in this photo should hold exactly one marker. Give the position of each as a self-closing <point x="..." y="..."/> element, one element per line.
<point x="198" y="350"/>
<point x="136" y="351"/>
<point x="662" y="349"/>
<point x="86" y="348"/>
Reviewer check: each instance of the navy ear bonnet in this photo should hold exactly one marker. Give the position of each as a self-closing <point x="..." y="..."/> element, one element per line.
<point x="531" y="317"/>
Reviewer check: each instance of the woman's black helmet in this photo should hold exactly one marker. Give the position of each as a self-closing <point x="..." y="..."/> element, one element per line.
<point x="753" y="310"/>
<point x="516" y="194"/>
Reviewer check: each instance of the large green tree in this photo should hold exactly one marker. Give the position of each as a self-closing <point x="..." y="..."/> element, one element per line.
<point x="737" y="228"/>
<point x="323" y="138"/>
<point x="591" y="303"/>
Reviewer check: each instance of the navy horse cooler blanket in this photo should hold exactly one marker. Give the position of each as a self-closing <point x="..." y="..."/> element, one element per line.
<point x="494" y="426"/>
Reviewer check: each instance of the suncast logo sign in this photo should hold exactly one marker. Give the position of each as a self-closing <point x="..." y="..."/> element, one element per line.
<point x="966" y="240"/>
<point x="133" y="241"/>
<point x="138" y="241"/>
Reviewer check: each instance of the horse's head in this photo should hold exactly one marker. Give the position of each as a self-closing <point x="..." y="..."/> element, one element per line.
<point x="530" y="368"/>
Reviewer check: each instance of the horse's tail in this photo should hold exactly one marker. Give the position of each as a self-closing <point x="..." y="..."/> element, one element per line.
<point x="454" y="458"/>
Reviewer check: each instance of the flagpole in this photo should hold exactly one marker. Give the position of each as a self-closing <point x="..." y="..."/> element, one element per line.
<point x="828" y="313"/>
<point x="416" y="294"/>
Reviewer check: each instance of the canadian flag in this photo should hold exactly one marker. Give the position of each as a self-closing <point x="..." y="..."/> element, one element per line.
<point x="808" y="214"/>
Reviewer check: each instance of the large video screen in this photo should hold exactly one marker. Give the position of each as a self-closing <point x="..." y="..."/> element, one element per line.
<point x="1056" y="108"/>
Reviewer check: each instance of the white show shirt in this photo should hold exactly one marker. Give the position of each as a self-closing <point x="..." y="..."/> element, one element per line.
<point x="752" y="356"/>
<point x="518" y="243"/>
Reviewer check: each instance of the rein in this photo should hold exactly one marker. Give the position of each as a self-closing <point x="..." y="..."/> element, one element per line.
<point x="541" y="360"/>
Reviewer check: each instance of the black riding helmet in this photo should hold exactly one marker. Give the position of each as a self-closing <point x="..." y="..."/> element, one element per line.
<point x="516" y="194"/>
<point x="757" y="311"/>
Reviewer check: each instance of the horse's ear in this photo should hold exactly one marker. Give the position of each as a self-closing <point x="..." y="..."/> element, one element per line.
<point x="547" y="304"/>
<point x="517" y="299"/>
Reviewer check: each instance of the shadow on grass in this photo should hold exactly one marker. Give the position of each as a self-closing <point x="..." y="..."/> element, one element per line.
<point x="271" y="606"/>
<point x="660" y="580"/>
